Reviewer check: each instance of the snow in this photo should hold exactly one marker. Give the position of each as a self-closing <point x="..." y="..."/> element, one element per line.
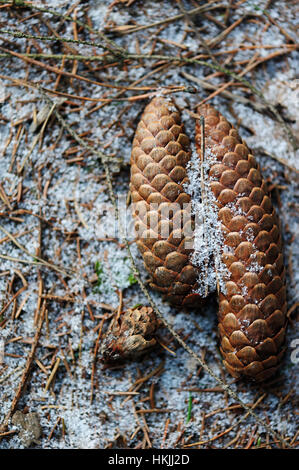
<point x="208" y="236"/>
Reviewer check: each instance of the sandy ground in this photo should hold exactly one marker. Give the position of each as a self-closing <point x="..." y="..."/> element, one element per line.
<point x="54" y="206"/>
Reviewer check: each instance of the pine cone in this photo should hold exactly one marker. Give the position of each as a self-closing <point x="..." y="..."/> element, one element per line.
<point x="245" y="258"/>
<point x="131" y="336"/>
<point x="158" y="173"/>
<point x="252" y="305"/>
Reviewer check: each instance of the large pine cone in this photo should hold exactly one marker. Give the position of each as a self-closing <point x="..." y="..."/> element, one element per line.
<point x="252" y="305"/>
<point x="158" y="173"/>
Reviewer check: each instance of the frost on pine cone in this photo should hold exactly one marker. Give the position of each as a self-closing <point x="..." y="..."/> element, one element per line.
<point x="130" y="336"/>
<point x="158" y="173"/>
<point x="252" y="302"/>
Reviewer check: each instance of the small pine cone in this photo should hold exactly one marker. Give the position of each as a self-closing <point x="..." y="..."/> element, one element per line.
<point x="164" y="227"/>
<point x="131" y="336"/>
<point x="252" y="305"/>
